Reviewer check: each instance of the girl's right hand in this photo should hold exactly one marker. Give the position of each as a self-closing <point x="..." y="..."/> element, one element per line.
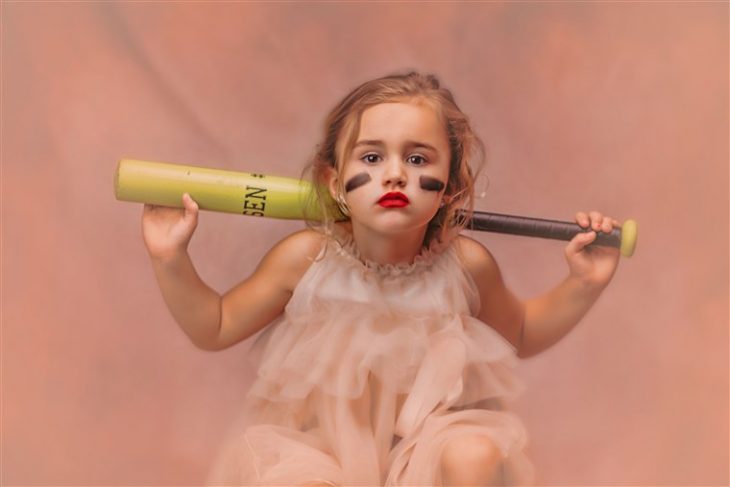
<point x="167" y="231"/>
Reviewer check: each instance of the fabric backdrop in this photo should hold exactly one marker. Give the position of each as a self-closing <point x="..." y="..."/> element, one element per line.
<point x="616" y="106"/>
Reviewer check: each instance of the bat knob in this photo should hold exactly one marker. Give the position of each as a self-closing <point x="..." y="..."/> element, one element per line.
<point x="629" y="234"/>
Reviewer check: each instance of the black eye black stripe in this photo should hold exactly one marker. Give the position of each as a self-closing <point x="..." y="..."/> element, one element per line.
<point x="431" y="184"/>
<point x="356" y="181"/>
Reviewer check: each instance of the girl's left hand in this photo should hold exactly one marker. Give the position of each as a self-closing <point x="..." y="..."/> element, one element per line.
<point x="593" y="265"/>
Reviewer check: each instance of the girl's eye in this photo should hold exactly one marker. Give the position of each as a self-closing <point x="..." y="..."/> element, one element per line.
<point x="371" y="158"/>
<point x="416" y="160"/>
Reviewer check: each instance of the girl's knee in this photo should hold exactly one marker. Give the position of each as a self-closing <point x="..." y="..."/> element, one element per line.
<point x="472" y="453"/>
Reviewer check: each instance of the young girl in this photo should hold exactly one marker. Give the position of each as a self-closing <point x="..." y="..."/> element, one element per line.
<point x="394" y="336"/>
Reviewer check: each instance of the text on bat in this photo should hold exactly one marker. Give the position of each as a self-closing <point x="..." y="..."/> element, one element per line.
<point x="254" y="202"/>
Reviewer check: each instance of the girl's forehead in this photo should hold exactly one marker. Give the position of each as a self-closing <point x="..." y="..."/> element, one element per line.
<point x="402" y="119"/>
<point x="412" y="117"/>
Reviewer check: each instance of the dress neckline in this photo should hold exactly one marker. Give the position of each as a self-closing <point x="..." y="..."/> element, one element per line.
<point x="344" y="244"/>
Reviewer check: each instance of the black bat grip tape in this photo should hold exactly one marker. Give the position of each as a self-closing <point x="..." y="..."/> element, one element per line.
<point x="538" y="227"/>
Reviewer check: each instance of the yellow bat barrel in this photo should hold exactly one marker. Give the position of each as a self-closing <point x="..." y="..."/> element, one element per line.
<point x="251" y="194"/>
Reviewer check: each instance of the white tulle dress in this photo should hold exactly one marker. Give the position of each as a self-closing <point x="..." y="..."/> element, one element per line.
<point x="370" y="371"/>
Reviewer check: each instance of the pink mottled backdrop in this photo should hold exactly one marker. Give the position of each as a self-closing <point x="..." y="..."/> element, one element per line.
<point x="617" y="106"/>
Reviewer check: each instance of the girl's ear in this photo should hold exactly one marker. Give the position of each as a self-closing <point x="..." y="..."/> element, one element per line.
<point x="445" y="200"/>
<point x="332" y="180"/>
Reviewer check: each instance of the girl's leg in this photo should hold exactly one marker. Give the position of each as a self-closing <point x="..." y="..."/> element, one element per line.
<point x="471" y="461"/>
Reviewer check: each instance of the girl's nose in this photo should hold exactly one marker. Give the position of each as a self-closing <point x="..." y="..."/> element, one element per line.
<point x="395" y="173"/>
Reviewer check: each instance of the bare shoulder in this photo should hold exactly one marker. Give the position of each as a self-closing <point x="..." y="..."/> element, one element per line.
<point x="499" y="307"/>
<point x="291" y="257"/>
<point x="475" y="257"/>
<point x="304" y="244"/>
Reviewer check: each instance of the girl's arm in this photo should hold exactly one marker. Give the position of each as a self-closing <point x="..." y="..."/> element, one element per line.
<point x="212" y="321"/>
<point x="536" y="324"/>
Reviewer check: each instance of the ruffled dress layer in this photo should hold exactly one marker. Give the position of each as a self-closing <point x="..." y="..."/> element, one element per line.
<point x="368" y="374"/>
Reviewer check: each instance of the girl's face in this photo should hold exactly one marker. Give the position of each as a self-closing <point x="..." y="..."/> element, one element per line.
<point x="395" y="177"/>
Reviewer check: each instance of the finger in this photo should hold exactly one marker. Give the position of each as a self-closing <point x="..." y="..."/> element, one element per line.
<point x="189" y="203"/>
<point x="582" y="219"/>
<point x="579" y="242"/>
<point x="191" y="209"/>
<point x="616" y="223"/>
<point x="607" y="224"/>
<point x="596" y="219"/>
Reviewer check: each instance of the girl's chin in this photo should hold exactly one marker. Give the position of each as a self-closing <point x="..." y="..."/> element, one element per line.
<point x="393" y="226"/>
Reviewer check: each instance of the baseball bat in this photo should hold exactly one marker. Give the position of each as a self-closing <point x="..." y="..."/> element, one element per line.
<point x="262" y="195"/>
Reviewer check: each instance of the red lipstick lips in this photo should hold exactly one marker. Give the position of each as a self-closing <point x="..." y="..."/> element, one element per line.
<point x="393" y="200"/>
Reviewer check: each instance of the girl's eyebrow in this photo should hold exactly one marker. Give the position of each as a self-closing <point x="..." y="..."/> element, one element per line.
<point x="361" y="143"/>
<point x="408" y="143"/>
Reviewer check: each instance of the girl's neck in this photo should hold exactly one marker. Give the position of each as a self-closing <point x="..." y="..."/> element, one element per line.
<point x="388" y="248"/>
